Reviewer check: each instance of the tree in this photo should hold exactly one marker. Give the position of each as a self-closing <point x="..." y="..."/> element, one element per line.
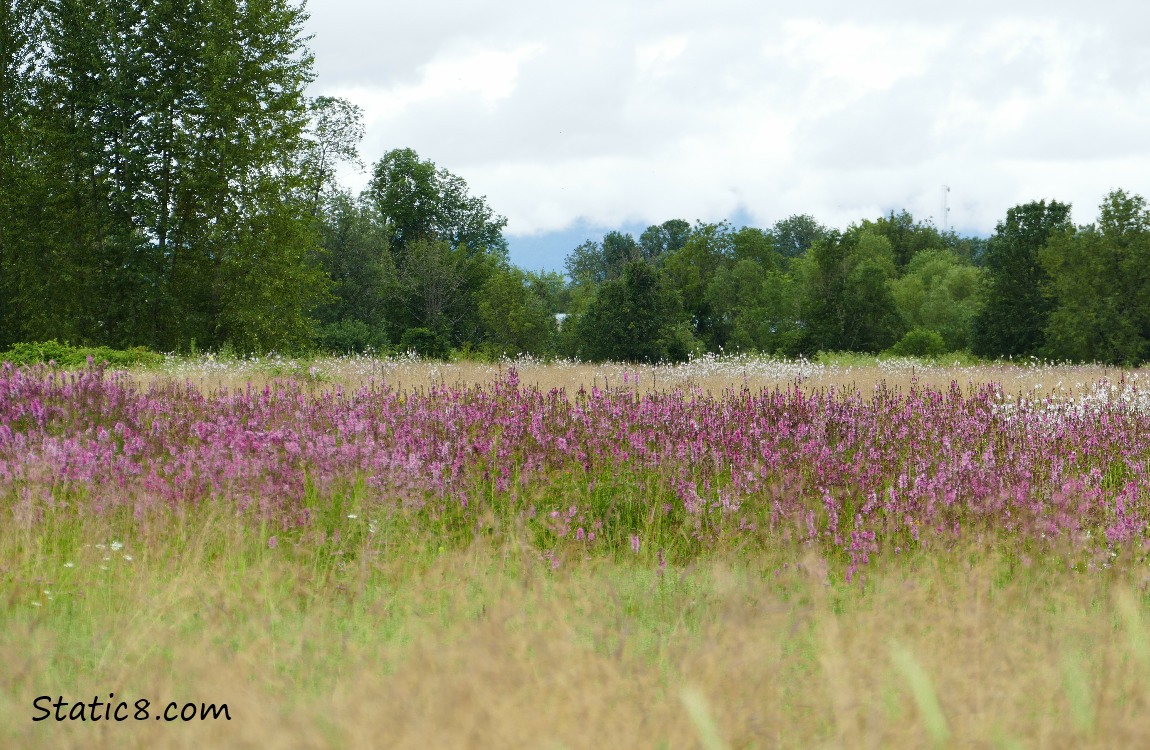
<point x="21" y="35"/>
<point x="356" y="258"/>
<point x="1017" y="311"/>
<point x="796" y="234"/>
<point x="421" y="202"/>
<point x="516" y="318"/>
<point x="593" y="262"/>
<point x="907" y="237"/>
<point x="586" y="264"/>
<point x="168" y="201"/>
<point x="333" y="138"/>
<point x="660" y="240"/>
<point x="690" y="271"/>
<point x="633" y="318"/>
<point x="760" y="308"/>
<point x="1099" y="277"/>
<point x="845" y="299"/>
<point x="939" y="293"/>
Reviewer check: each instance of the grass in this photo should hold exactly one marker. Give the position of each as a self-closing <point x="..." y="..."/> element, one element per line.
<point x="709" y="374"/>
<point x="399" y="635"/>
<point x="401" y="642"/>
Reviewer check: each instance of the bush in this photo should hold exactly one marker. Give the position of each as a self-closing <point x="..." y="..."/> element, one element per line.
<point x="65" y="355"/>
<point x="425" y="342"/>
<point x="351" y="337"/>
<point x="920" y="342"/>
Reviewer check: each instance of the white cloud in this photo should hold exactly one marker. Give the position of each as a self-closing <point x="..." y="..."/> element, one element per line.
<point x="614" y="112"/>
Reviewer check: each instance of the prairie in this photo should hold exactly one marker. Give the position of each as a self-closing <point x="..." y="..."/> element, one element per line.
<point x="748" y="554"/>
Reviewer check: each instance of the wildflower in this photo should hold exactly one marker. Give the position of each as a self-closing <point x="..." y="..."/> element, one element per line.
<point x="635" y="543"/>
<point x="129" y="558"/>
<point x="272" y="541"/>
<point x="69" y="565"/>
<point x="116" y="546"/>
<point x="36" y="604"/>
<point x="352" y="516"/>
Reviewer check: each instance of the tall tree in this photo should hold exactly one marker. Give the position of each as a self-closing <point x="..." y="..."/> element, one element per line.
<point x="171" y="205"/>
<point x="1016" y="313"/>
<point x="632" y="318"/>
<point x="690" y="271"/>
<point x="1099" y="277"/>
<point x="515" y="315"/>
<point x="796" y="234"/>
<point x="846" y="303"/>
<point x="422" y="202"/>
<point x="660" y="240"/>
<point x="333" y="138"/>
<point x="21" y="41"/>
<point x="938" y="292"/>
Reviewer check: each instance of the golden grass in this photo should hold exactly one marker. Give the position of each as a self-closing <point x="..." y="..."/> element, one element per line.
<point x="486" y="648"/>
<point x="710" y="374"/>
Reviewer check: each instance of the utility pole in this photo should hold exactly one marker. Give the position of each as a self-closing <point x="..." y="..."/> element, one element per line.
<point x="945" y="209"/>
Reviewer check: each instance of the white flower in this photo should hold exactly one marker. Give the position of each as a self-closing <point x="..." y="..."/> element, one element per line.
<point x="128" y="558"/>
<point x="69" y="565"/>
<point x="352" y="516"/>
<point x="35" y="604"/>
<point x="117" y="546"/>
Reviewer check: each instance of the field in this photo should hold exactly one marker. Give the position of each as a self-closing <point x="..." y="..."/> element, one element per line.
<point x="732" y="553"/>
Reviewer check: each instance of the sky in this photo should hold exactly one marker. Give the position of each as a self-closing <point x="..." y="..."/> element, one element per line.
<point x="577" y="118"/>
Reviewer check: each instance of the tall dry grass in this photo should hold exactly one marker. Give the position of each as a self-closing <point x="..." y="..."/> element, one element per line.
<point x="713" y="374"/>
<point x="486" y="647"/>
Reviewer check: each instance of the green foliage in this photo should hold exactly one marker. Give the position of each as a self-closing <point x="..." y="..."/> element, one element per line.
<point x="906" y="236"/>
<point x="660" y="240"/>
<point x="920" y="342"/>
<point x="420" y="202"/>
<point x="426" y="343"/>
<point x="635" y="318"/>
<point x="332" y="138"/>
<point x="356" y="257"/>
<point x="162" y="198"/>
<point x="761" y="309"/>
<point x="1017" y="311"/>
<point x="940" y="293"/>
<point x="845" y="298"/>
<point x="66" y="355"/>
<point x="1099" y="277"/>
<point x="517" y="320"/>
<point x="690" y="271"/>
<point x="351" y="336"/>
<point x="796" y="234"/>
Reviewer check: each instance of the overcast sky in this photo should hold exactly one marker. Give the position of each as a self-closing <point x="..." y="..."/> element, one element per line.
<point x="576" y="117"/>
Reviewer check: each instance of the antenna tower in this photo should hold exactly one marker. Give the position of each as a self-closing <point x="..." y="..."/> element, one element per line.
<point x="945" y="209"/>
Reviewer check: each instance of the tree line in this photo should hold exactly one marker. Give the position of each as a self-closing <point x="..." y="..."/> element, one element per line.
<point x="165" y="182"/>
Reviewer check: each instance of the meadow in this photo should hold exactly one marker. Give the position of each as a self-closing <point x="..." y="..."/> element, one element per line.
<point x="731" y="553"/>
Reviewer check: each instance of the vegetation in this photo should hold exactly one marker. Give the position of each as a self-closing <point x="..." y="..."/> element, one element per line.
<point x="179" y="194"/>
<point x="758" y="567"/>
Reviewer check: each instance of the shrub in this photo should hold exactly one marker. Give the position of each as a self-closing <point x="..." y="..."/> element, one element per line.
<point x="920" y="342"/>
<point x="66" y="355"/>
<point x="425" y="342"/>
<point x="351" y="337"/>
